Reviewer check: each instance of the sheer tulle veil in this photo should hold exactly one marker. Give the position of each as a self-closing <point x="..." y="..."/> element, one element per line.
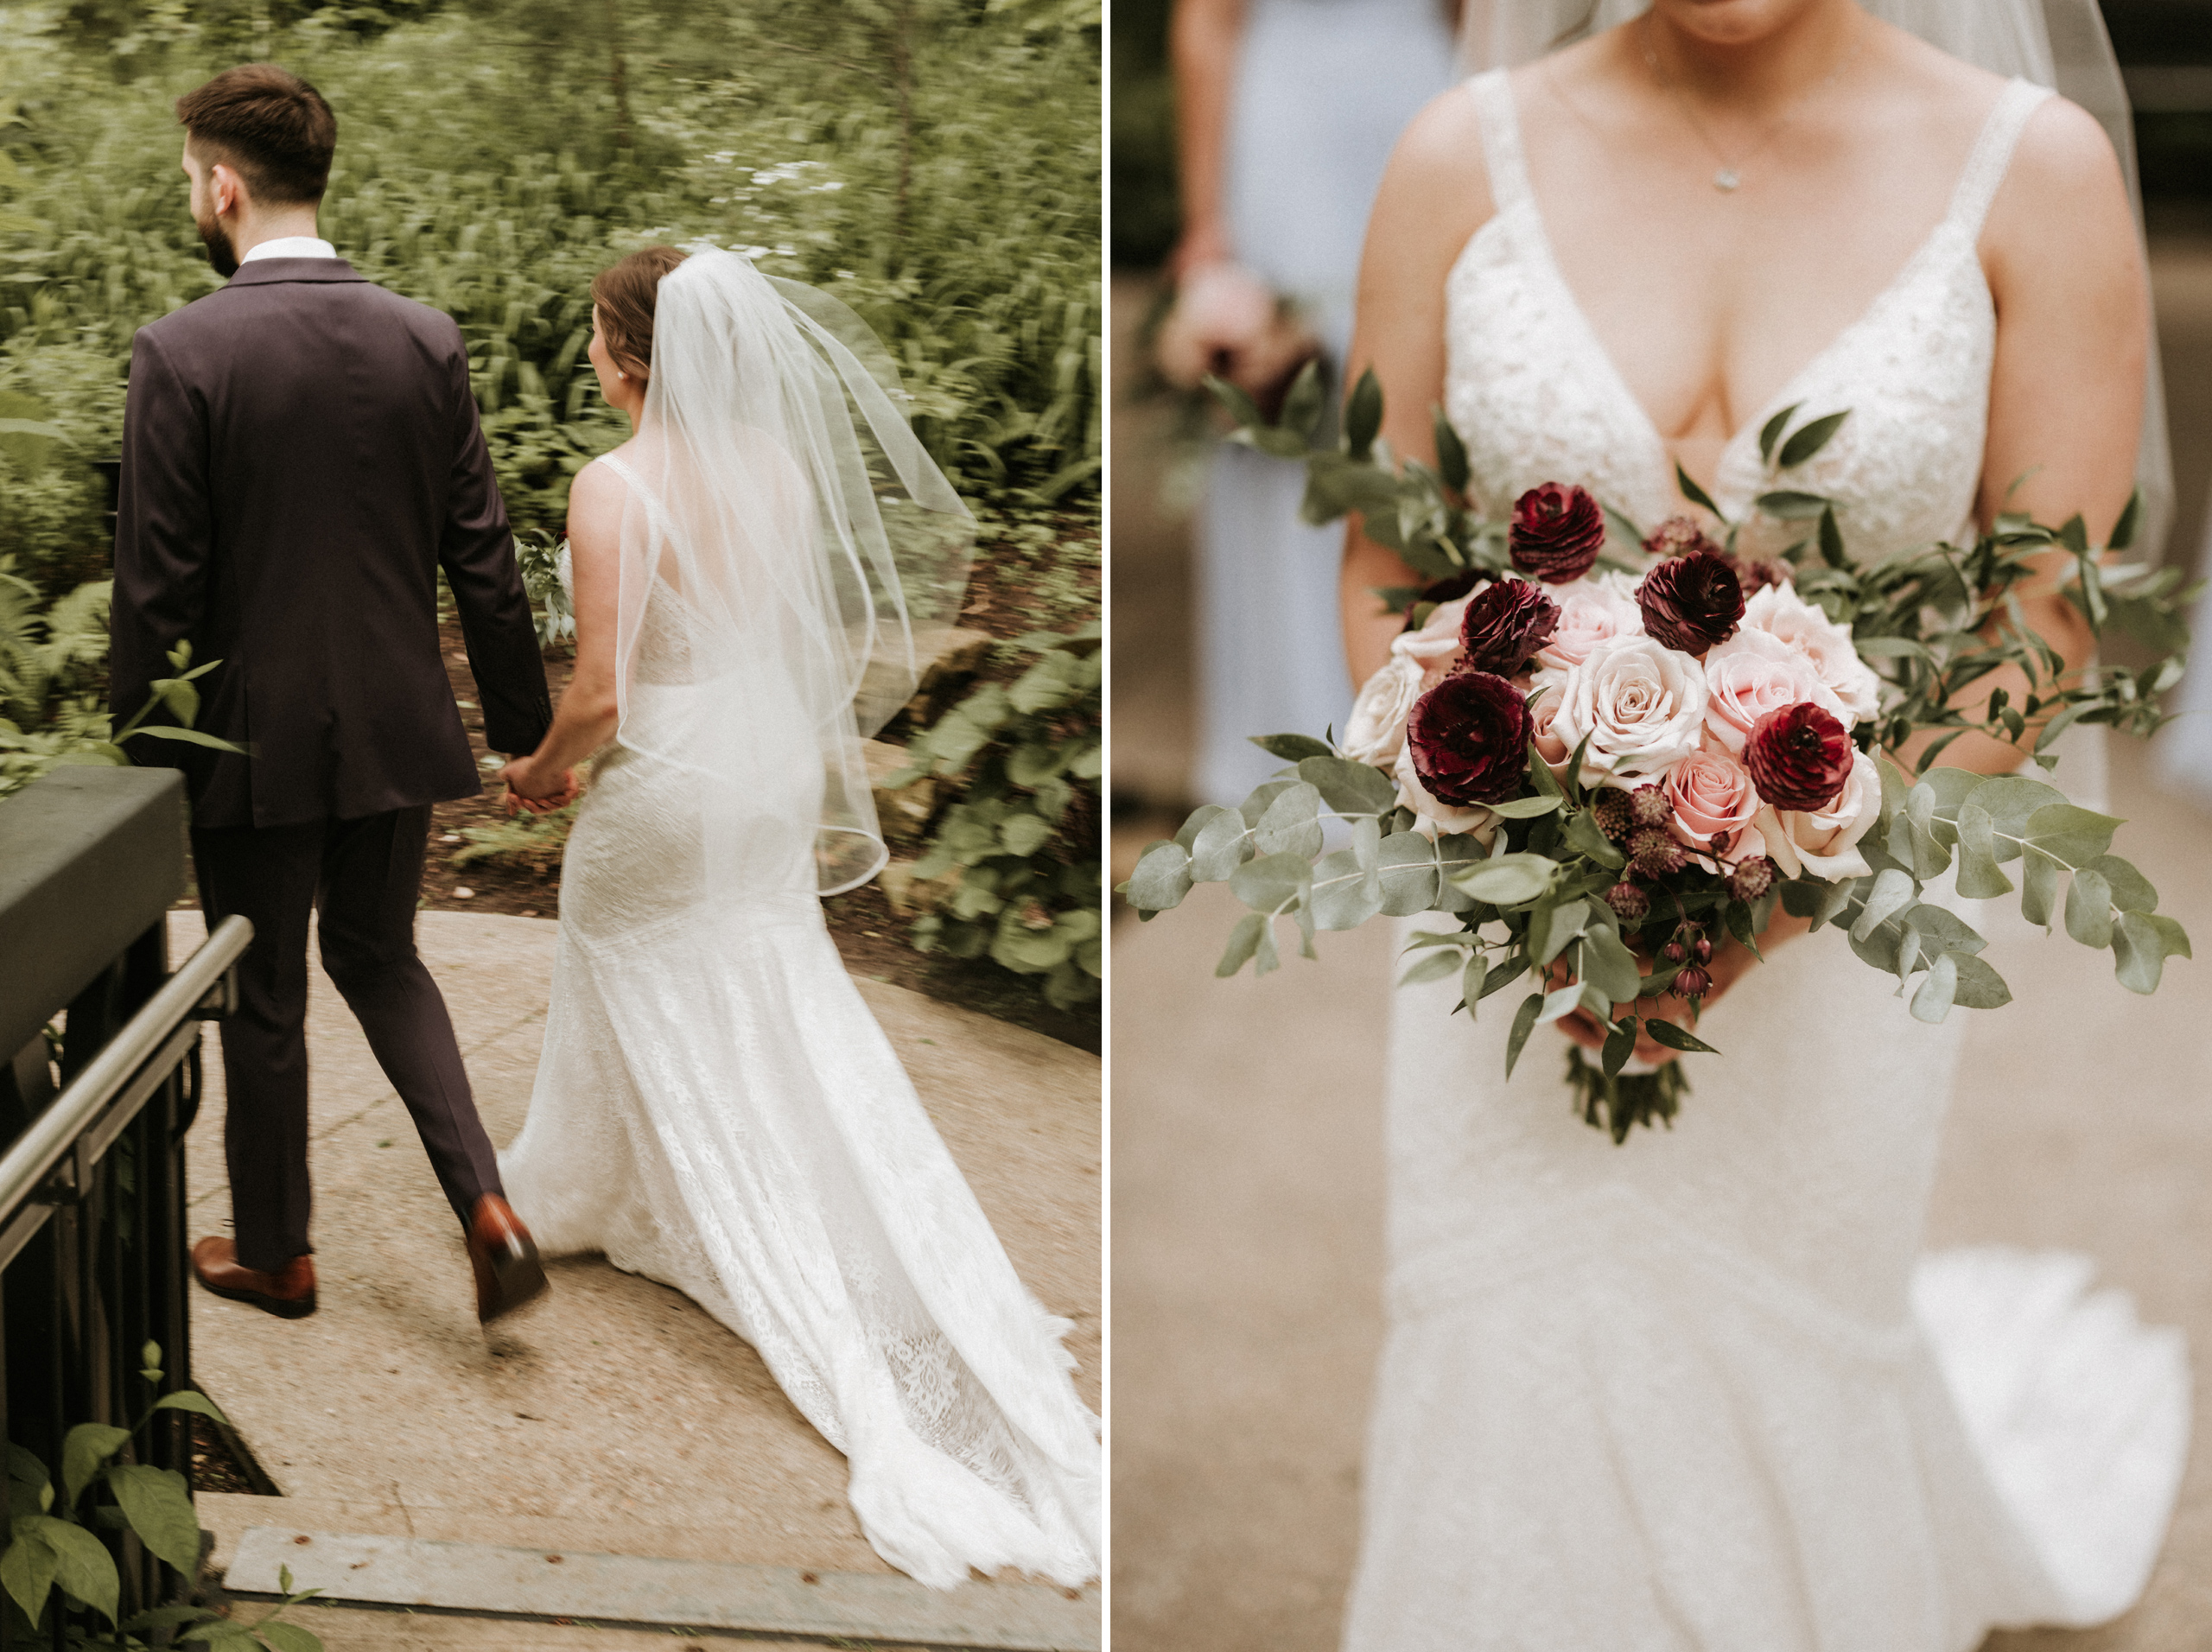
<point x="794" y="544"/>
<point x="2057" y="43"/>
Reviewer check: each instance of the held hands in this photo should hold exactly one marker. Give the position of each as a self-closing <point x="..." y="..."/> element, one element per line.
<point x="540" y="793"/>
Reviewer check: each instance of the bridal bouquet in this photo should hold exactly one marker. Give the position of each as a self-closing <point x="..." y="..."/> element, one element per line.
<point x="1602" y="765"/>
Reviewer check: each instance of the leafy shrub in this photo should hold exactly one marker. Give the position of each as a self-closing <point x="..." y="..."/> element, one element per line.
<point x="1025" y="837"/>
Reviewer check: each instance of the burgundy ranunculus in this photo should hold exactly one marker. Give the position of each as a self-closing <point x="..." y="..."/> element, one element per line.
<point x="1506" y="622"/>
<point x="1799" y="757"/>
<point x="1678" y="536"/>
<point x="1556" y="533"/>
<point x="1470" y="738"/>
<point x="1691" y="602"/>
<point x="1755" y="574"/>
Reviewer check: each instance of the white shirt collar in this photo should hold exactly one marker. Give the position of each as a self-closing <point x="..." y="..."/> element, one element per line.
<point x="291" y="246"/>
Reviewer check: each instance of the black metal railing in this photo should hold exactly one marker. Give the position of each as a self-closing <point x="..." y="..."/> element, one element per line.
<point x="93" y="1263"/>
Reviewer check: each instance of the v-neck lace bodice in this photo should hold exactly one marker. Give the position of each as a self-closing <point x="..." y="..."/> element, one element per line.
<point x="1536" y="398"/>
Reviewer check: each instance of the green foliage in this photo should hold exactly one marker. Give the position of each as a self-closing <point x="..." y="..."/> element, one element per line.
<point x="55" y="1566"/>
<point x="934" y="164"/>
<point x="1025" y="835"/>
<point x="535" y="841"/>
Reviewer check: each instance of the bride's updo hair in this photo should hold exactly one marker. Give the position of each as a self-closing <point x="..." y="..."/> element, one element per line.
<point x="623" y="294"/>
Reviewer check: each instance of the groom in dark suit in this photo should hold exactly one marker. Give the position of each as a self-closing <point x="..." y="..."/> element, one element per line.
<point x="300" y="456"/>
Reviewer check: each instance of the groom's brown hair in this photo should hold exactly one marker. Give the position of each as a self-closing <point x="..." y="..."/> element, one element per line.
<point x="268" y="126"/>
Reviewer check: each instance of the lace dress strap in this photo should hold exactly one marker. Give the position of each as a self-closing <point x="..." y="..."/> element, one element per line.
<point x="1992" y="153"/>
<point x="653" y="507"/>
<point x="1503" y="159"/>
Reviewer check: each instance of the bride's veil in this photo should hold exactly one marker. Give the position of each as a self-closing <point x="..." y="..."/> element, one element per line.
<point x="2058" y="44"/>
<point x="787" y="549"/>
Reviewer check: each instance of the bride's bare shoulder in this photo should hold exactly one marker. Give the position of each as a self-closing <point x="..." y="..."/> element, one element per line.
<point x="1436" y="172"/>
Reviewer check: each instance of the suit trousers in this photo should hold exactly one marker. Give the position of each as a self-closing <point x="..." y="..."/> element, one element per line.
<point x="362" y="878"/>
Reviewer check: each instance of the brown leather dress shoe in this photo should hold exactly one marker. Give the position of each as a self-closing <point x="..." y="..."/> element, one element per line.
<point x="501" y="1251"/>
<point x="288" y="1294"/>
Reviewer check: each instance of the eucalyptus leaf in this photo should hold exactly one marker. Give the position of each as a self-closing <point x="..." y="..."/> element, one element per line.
<point x="1243" y="940"/>
<point x="2008" y="800"/>
<point x="1349" y="788"/>
<point x="1200" y="818"/>
<point x="2040" y="877"/>
<point x="1979" y="877"/>
<point x="1563" y="1002"/>
<point x="1272" y="882"/>
<point x="1892" y="891"/>
<point x="1264" y="958"/>
<point x="1584" y="835"/>
<point x="1524" y="808"/>
<point x="1346" y="893"/>
<point x="1160" y="880"/>
<point x="2075" y="836"/>
<point x="1292" y="824"/>
<point x="2088" y="909"/>
<point x="1979" y="986"/>
<point x="1407" y="863"/>
<point x="1932" y="1002"/>
<point x="2131" y="890"/>
<point x="1509" y="879"/>
<point x="1222" y="844"/>
<point x="1608" y="965"/>
<point x="1551" y="927"/>
<point x="2141" y="942"/>
<point x="1263" y="795"/>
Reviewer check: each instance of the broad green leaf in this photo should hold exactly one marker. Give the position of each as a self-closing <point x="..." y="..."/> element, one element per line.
<point x="1980" y="987"/>
<point x="1349" y="788"/>
<point x="1836" y="896"/>
<point x="2075" y="836"/>
<point x="1832" y="550"/>
<point x="2088" y="909"/>
<point x="1241" y="407"/>
<point x="1524" y="1022"/>
<point x="28" y="1567"/>
<point x="1451" y="452"/>
<point x="159" y="1508"/>
<point x="1979" y="877"/>
<point x="1932" y="1002"/>
<point x="1791" y="506"/>
<point x="1263" y="795"/>
<point x="1364" y="415"/>
<point x="1243" y="940"/>
<point x="1023" y="834"/>
<point x="1433" y="966"/>
<point x="1583" y="834"/>
<point x="1265" y="960"/>
<point x="83" y="1448"/>
<point x="1692" y="492"/>
<point x="1292" y="748"/>
<point x="1674" y="1036"/>
<point x="287" y="1637"/>
<point x="1222" y="844"/>
<point x="1161" y="878"/>
<point x="1770" y="432"/>
<point x="1565" y="1001"/>
<point x="82" y="1566"/>
<point x="1620" y="1045"/>
<point x="190" y="736"/>
<point x="2131" y="890"/>
<point x="1503" y="975"/>
<point x="1551" y="927"/>
<point x="1811" y="437"/>
<point x="1301" y="406"/>
<point x="2141" y="942"/>
<point x="2123" y="531"/>
<point x="1272" y="882"/>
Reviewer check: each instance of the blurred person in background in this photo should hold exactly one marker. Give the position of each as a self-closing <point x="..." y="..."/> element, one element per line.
<point x="1285" y="111"/>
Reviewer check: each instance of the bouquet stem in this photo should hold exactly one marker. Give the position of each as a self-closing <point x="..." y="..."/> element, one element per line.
<point x="1617" y="1105"/>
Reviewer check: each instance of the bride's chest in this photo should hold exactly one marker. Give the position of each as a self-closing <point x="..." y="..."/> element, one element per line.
<point x="1538" y="395"/>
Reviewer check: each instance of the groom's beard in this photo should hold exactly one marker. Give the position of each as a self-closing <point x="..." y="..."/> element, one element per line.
<point x="221" y="252"/>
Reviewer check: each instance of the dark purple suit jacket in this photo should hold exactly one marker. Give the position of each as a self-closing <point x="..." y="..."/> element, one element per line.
<point x="300" y="455"/>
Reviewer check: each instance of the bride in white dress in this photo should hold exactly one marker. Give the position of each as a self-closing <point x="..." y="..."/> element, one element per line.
<point x="716" y="1108"/>
<point x="1700" y="1391"/>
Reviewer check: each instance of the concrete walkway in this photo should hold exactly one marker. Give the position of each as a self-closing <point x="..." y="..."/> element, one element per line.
<point x="614" y="1416"/>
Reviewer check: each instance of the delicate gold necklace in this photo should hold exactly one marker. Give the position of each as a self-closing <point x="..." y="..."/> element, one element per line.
<point x="1730" y="177"/>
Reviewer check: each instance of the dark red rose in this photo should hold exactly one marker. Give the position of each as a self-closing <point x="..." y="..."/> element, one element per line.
<point x="1678" y="536"/>
<point x="1470" y="738"/>
<point x="1505" y="622"/>
<point x="1556" y="533"/>
<point x="1436" y="593"/>
<point x="1799" y="757"/>
<point x="1691" y="602"/>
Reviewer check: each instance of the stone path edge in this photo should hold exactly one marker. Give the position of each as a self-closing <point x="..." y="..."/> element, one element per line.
<point x="619" y="1591"/>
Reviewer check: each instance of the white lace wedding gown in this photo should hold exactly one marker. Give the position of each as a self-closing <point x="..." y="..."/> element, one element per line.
<point x="716" y="1109"/>
<point x="1701" y="1391"/>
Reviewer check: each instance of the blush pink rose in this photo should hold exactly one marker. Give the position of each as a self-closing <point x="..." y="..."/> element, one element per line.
<point x="1778" y="609"/>
<point x="1755" y="672"/>
<point x="1710" y="796"/>
<point x="1555" y="751"/>
<point x="1824" y="843"/>
<point x="1435" y="646"/>
<point x="1590" y="611"/>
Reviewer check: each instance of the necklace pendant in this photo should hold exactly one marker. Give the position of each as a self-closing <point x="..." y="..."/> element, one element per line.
<point x="1726" y="179"/>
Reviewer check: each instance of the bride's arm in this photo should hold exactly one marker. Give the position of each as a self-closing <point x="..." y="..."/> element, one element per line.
<point x="2066" y="391"/>
<point x="1432" y="198"/>
<point x="586" y="717"/>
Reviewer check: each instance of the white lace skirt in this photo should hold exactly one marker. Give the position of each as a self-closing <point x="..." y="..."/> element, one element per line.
<point x="1700" y="1391"/>
<point x="716" y="1109"/>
